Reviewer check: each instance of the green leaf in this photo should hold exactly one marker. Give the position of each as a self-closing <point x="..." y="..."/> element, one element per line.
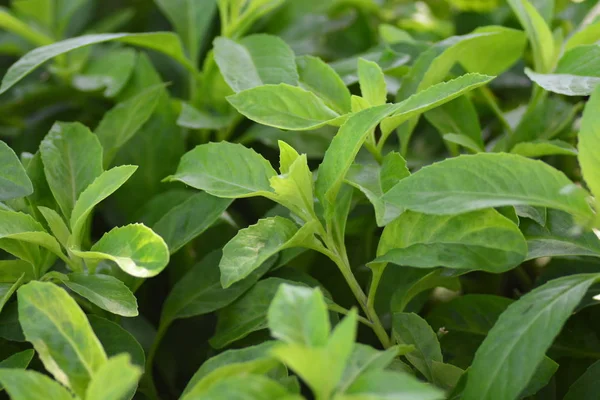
<point x="14" y="182"/>
<point x="165" y="42"/>
<point x="102" y="187"/>
<point x="458" y="117"/>
<point x="191" y="19"/>
<point x="116" y="379"/>
<point x="247" y="314"/>
<point x="283" y="106"/>
<point x="187" y="220"/>
<point x="124" y="120"/>
<point x="72" y="158"/>
<point x="446" y="376"/>
<point x="478" y="240"/>
<point x="352" y="134"/>
<point x="18" y="360"/>
<point x="22" y="227"/>
<point x="413" y="330"/>
<point x="589" y="142"/>
<point x="319" y="78"/>
<point x="372" y="82"/>
<point x="543" y="373"/>
<point x="105" y="291"/>
<point x="229" y="357"/>
<point x="374" y="180"/>
<point x="298" y="315"/>
<point x="200" y="292"/>
<point x="8" y="289"/>
<point x="108" y="71"/>
<point x="13" y="24"/>
<point x="538" y="32"/>
<point x="527" y="327"/>
<point x="542" y="148"/>
<point x="365" y="359"/>
<point x="57" y="225"/>
<point x="559" y="237"/>
<point x="135" y="248"/>
<point x="116" y="340"/>
<point x="255" y="60"/>
<point x="209" y="167"/>
<point x="586" y="386"/>
<point x="11" y="270"/>
<point x="379" y="385"/>
<point x="589" y="34"/>
<point x="473" y="182"/>
<point x="60" y="333"/>
<point x="251" y="387"/>
<point x="567" y="84"/>
<point x="321" y="367"/>
<point x="252" y="246"/>
<point x="194" y="118"/>
<point x="31" y="385"/>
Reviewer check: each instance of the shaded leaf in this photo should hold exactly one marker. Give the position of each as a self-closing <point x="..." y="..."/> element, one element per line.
<point x="14" y="182"/>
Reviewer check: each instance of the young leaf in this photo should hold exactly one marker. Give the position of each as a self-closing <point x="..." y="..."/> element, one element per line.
<point x="319" y="78"/>
<point x="60" y="333"/>
<point x="363" y="360"/>
<point x="352" y="134"/>
<point x="372" y="82"/>
<point x="528" y="328"/>
<point x="589" y="144"/>
<point x="413" y="330"/>
<point x="255" y="387"/>
<point x="478" y="240"/>
<point x="200" y="292"/>
<point x="123" y="121"/>
<point x="390" y="385"/>
<point x="567" y="84"/>
<point x="255" y="60"/>
<point x="102" y="187"/>
<point x="31" y="385"/>
<point x="135" y="248"/>
<point x="187" y="220"/>
<point x="586" y="387"/>
<point x="14" y="182"/>
<point x="211" y="167"/>
<point x="57" y="225"/>
<point x="542" y="148"/>
<point x="283" y="106"/>
<point x="540" y="36"/>
<point x="294" y="187"/>
<point x="18" y="360"/>
<point x="191" y="20"/>
<point x="116" y="379"/>
<point x="72" y="158"/>
<point x="105" y="291"/>
<point x="473" y="182"/>
<point x="110" y="72"/>
<point x="298" y="315"/>
<point x="164" y="42"/>
<point x="252" y="246"/>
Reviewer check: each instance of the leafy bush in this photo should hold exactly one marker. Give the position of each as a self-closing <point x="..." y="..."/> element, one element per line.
<point x="349" y="200"/>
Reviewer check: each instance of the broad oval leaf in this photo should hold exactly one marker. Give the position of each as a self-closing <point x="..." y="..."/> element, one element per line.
<point x="283" y="106"/>
<point x="352" y="134"/>
<point x="526" y="330"/>
<point x="478" y="240"/>
<point x="473" y="182"/>
<point x="116" y="340"/>
<point x="14" y="182"/>
<point x="255" y="60"/>
<point x="587" y="386"/>
<point x="105" y="291"/>
<point x="252" y="246"/>
<point x="102" y="187"/>
<point x="116" y="379"/>
<point x="567" y="84"/>
<point x="31" y="385"/>
<point x="164" y="42"/>
<point x="225" y="170"/>
<point x="60" y="333"/>
<point x="72" y="157"/>
<point x="135" y="248"/>
<point x="589" y="144"/>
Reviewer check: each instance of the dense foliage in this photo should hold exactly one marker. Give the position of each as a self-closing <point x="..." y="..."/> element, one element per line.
<point x="285" y="199"/>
